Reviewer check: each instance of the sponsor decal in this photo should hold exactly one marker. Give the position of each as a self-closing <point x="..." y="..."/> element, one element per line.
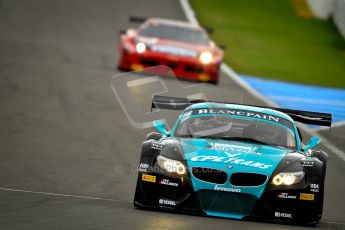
<point x="283" y="214"/>
<point x="167" y="202"/>
<point x="219" y="147"/>
<point x="306" y="196"/>
<point x="156" y="146"/>
<point x="224" y="189"/>
<point x="285" y="195"/>
<point x="244" y="113"/>
<point x="307" y="163"/>
<point x="314" y="187"/>
<point x="233" y="159"/>
<point x="143" y="167"/>
<point x="168" y="182"/>
<point x="148" y="178"/>
<point x="239" y="113"/>
<point x="239" y="149"/>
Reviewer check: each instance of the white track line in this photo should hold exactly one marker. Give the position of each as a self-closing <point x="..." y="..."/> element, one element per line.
<point x="103" y="199"/>
<point x="63" y="195"/>
<point x="189" y="12"/>
<point x="332" y="222"/>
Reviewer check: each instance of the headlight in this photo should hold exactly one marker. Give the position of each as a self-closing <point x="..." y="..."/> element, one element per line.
<point x="171" y="165"/>
<point x="206" y="57"/>
<point x="140" y="47"/>
<point x="288" y="178"/>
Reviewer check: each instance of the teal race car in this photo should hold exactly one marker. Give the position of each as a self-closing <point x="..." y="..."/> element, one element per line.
<point x="233" y="161"/>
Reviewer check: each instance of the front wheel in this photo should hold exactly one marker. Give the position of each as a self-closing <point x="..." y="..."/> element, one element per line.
<point x="213" y="82"/>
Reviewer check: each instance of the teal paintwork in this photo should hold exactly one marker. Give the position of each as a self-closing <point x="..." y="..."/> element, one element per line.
<point x="238" y="154"/>
<point x="225" y="215"/>
<point x="195" y="149"/>
<point x="313" y="141"/>
<point x="160" y="127"/>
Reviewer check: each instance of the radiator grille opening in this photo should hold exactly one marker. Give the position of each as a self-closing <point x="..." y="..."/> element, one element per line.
<point x="209" y="175"/>
<point x="149" y="62"/>
<point x="247" y="179"/>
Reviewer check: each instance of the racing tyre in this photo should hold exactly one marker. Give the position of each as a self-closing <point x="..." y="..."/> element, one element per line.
<point x="213" y="82"/>
<point x="322" y="156"/>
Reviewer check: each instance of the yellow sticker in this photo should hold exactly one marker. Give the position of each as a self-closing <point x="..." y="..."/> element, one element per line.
<point x="137" y="67"/>
<point x="203" y="77"/>
<point x="306" y="196"/>
<point x="148" y="178"/>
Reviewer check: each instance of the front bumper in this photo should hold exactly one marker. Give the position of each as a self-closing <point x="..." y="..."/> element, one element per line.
<point x="271" y="206"/>
<point x="183" y="67"/>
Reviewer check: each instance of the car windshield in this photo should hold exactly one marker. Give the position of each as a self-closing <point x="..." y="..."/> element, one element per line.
<point x="237" y="129"/>
<point x="176" y="33"/>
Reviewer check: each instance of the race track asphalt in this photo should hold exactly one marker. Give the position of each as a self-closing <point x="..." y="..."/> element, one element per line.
<point x="67" y="150"/>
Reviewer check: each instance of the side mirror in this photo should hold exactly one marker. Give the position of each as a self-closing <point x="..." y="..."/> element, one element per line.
<point x="160" y="127"/>
<point x="154" y="136"/>
<point x="313" y="141"/>
<point x="208" y="30"/>
<point x="223" y="47"/>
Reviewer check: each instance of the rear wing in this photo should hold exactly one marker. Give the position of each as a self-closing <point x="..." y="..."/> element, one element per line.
<point x="306" y="117"/>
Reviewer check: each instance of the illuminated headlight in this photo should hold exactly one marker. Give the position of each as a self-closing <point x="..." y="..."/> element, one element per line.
<point x="288" y="178"/>
<point x="140" y="47"/>
<point x="206" y="57"/>
<point x="171" y="165"/>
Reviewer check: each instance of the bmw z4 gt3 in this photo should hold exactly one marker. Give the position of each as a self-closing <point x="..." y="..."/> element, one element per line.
<point x="233" y="161"/>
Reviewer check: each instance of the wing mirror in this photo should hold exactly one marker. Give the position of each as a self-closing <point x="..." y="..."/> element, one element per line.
<point x="313" y="141"/>
<point x="223" y="47"/>
<point x="160" y="127"/>
<point x="154" y="136"/>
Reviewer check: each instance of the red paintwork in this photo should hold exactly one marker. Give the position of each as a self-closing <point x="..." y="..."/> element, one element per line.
<point x="183" y="66"/>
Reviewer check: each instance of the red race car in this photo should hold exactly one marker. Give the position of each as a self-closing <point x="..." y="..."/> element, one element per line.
<point x="182" y="46"/>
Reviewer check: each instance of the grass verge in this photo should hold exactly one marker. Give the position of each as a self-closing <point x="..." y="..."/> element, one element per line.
<point x="266" y="38"/>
